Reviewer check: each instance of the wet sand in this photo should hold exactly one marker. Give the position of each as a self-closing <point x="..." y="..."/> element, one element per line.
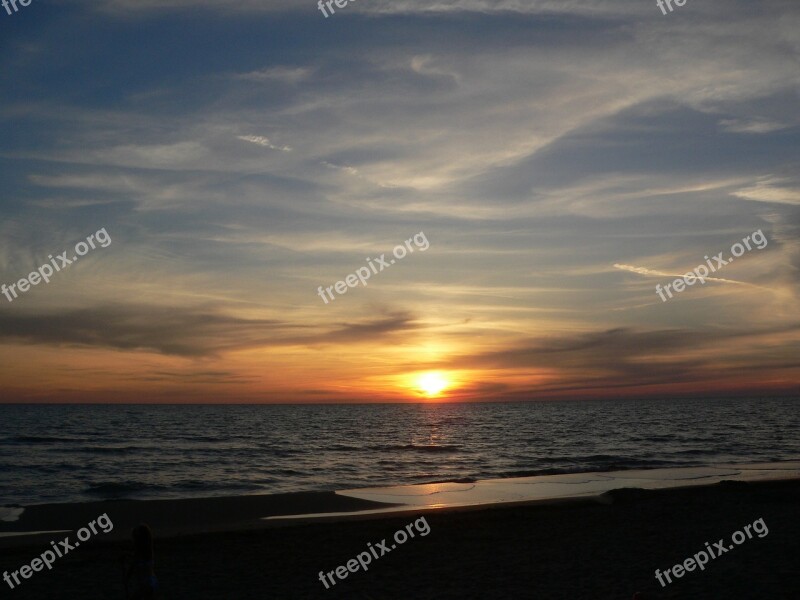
<point x="606" y="547"/>
<point x="173" y="517"/>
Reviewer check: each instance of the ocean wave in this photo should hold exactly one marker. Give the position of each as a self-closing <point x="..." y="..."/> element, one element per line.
<point x="115" y="489"/>
<point x="41" y="439"/>
<point x="196" y="485"/>
<point x="110" y="449"/>
<point x="418" y="448"/>
<point x="629" y="465"/>
<point x="81" y="453"/>
<point x="342" y="448"/>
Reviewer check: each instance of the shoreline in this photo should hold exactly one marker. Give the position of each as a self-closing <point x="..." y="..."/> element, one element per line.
<point x="179" y="517"/>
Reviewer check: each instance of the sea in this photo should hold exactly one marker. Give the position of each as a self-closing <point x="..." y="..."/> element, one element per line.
<point x="78" y="453"/>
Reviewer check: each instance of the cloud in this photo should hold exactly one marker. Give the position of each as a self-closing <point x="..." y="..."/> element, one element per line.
<point x="772" y="189"/>
<point x="291" y="75"/>
<point x="262" y="141"/>
<point x="581" y="7"/>
<point x="195" y="377"/>
<point x="655" y="273"/>
<point x="346" y="169"/>
<point x="635" y="357"/>
<point x="537" y="141"/>
<point x="370" y="330"/>
<point x="751" y="126"/>
<point x="172" y="331"/>
<point x="185" y="332"/>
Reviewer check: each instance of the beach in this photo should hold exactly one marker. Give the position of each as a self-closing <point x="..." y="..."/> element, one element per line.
<point x="606" y="546"/>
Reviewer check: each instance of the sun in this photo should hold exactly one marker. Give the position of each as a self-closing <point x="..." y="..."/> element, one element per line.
<point x="432" y="383"/>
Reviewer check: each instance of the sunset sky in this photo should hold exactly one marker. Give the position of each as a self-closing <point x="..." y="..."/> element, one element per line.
<point x="562" y="157"/>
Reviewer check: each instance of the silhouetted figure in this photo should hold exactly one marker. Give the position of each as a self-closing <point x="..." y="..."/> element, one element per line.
<point x="140" y="577"/>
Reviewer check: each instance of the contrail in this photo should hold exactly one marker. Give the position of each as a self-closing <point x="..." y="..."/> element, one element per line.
<point x="653" y="273"/>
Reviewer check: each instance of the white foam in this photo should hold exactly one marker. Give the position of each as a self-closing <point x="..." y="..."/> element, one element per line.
<point x="553" y="487"/>
<point x="9" y="514"/>
<point x="19" y="533"/>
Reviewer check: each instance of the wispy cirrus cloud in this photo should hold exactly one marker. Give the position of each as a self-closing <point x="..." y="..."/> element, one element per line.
<point x="655" y="273"/>
<point x="754" y="126"/>
<point x="772" y="189"/>
<point x="278" y="73"/>
<point x="262" y="141"/>
<point x="537" y="142"/>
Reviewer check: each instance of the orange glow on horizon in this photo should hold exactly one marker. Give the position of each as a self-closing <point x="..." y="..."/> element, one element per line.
<point x="432" y="383"/>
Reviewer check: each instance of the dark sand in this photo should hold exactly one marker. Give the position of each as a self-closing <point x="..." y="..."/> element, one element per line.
<point x="577" y="550"/>
<point x="176" y="517"/>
